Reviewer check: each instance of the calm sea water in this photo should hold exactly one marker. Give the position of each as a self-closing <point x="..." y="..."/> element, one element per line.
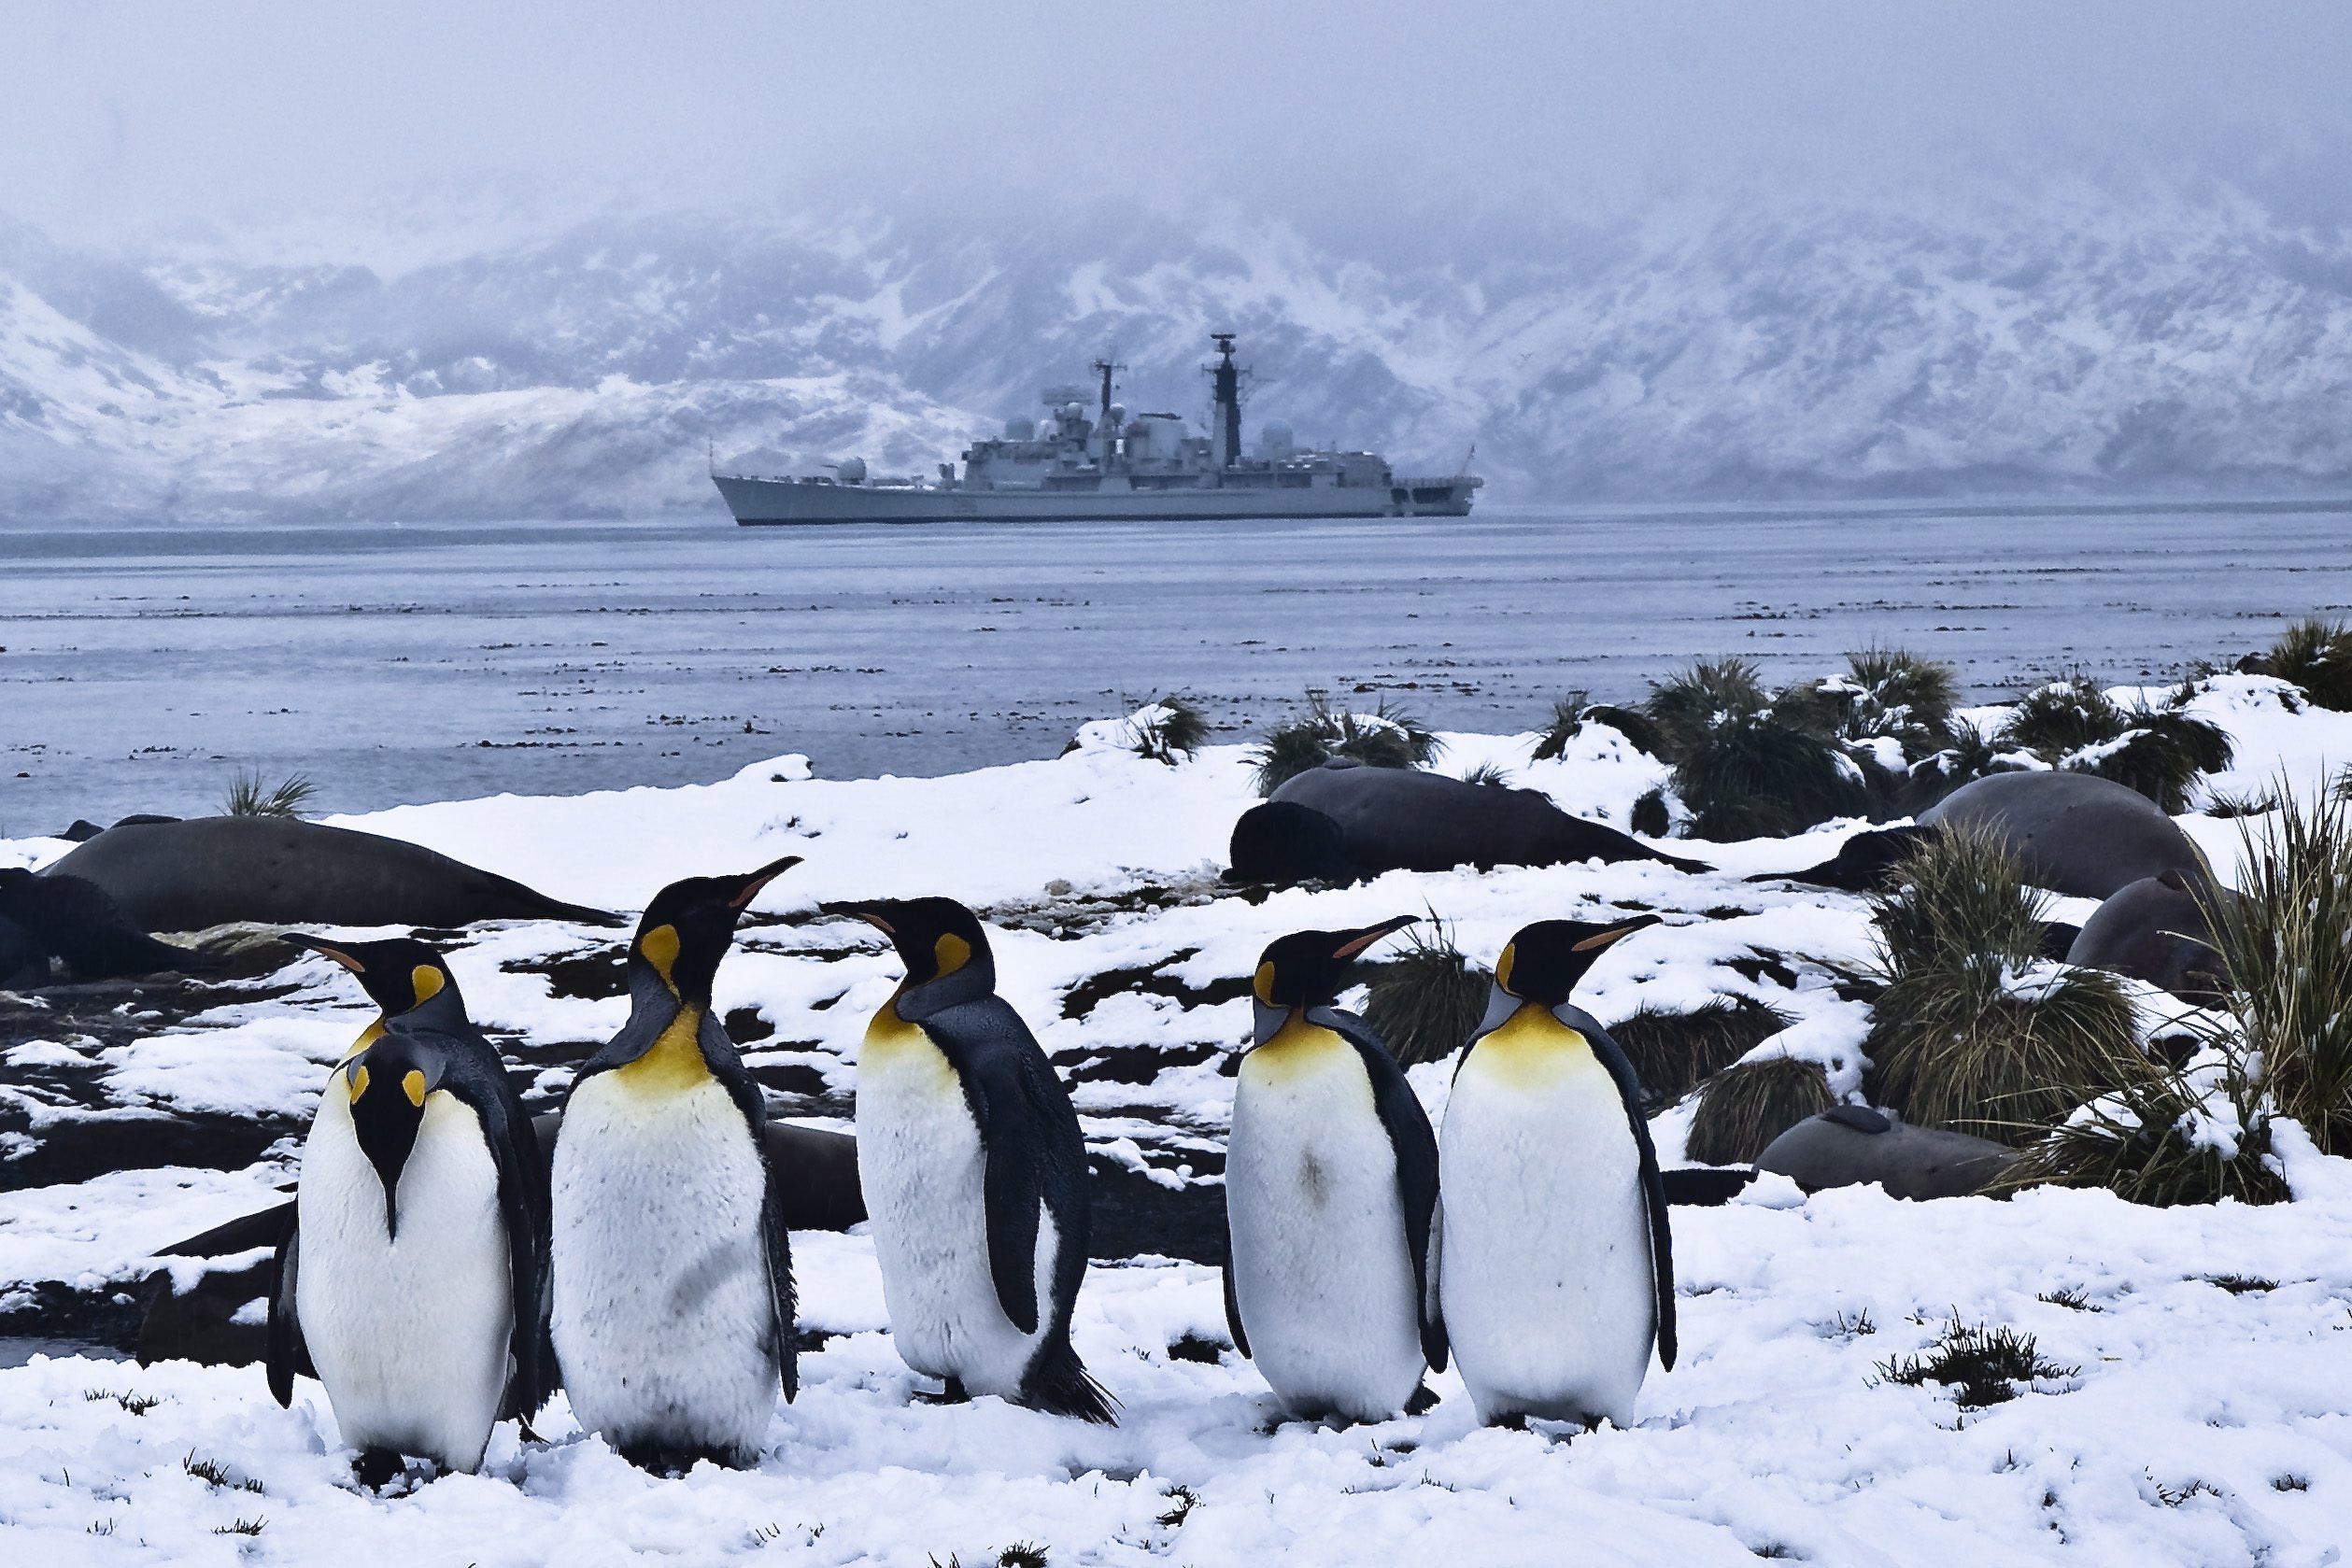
<point x="144" y="667"/>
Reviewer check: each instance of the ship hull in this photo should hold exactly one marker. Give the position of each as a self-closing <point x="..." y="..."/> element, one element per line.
<point x="771" y="502"/>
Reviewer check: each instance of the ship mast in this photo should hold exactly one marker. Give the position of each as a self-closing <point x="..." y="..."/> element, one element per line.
<point x="1225" y="380"/>
<point x="1104" y="367"/>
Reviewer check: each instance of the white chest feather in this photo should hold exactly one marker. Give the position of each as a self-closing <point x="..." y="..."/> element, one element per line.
<point x="1545" y="1271"/>
<point x="1322" y="1271"/>
<point x="411" y="1337"/>
<point x="664" y="1313"/>
<point x="921" y="1167"/>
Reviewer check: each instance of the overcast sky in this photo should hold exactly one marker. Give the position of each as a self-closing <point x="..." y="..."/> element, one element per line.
<point x="126" y="121"/>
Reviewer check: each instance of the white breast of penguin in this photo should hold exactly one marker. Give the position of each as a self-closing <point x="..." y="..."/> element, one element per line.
<point x="664" y="1320"/>
<point x="1545" y="1272"/>
<point x="412" y="1338"/>
<point x="1321" y="1270"/>
<point x="920" y="1164"/>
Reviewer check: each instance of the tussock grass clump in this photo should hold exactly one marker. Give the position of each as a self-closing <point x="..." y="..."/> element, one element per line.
<point x="1981" y="1366"/>
<point x="250" y="796"/>
<point x="1755" y="777"/>
<point x="2286" y="947"/>
<point x="2158" y="749"/>
<point x="1572" y="712"/>
<point x="1685" y="708"/>
<point x="1674" y="1052"/>
<point x="2316" y="656"/>
<point x="1167" y="726"/>
<point x="2161" y="754"/>
<point x="1745" y="1106"/>
<point x="1381" y="738"/>
<point x="1425" y="1002"/>
<point x="1975" y="1031"/>
<point x="2241" y="805"/>
<point x="1492" y="774"/>
<point x="1901" y="695"/>
<point x="2162" y="1135"/>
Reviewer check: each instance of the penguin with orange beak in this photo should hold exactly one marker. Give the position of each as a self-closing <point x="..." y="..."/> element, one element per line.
<point x="672" y="1264"/>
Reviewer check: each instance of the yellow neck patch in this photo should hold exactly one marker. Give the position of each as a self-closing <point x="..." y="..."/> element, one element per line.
<point x="1298" y="1049"/>
<point x="893" y="1044"/>
<point x="1533" y="1049"/>
<point x="660" y="948"/>
<point x="368" y="1037"/>
<point x="674" y="1062"/>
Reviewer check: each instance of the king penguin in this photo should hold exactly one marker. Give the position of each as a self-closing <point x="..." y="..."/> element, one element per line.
<point x="1555" y="1267"/>
<point x="412" y="1280"/>
<point x="673" y="1265"/>
<point x="974" y="1172"/>
<point x="1330" y="1181"/>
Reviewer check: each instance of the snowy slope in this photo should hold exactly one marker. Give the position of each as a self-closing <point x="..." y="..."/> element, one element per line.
<point x="2128" y="337"/>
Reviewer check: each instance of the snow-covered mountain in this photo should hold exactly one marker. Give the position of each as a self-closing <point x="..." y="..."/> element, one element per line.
<point x="2090" y="340"/>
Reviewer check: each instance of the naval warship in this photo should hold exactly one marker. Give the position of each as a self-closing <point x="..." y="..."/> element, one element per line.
<point x="1111" y="466"/>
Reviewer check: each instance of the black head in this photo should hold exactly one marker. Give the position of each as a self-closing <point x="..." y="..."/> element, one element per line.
<point x="1544" y="962"/>
<point x="691" y="924"/>
<point x="941" y="943"/>
<point x="1283" y="842"/>
<point x="387" y="1084"/>
<point x="1305" y="969"/>
<point x="399" y="975"/>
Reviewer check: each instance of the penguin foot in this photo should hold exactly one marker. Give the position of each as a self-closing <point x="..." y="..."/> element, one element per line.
<point x="951" y="1392"/>
<point x="676" y="1459"/>
<point x="1511" y="1421"/>
<point x="1425" y="1400"/>
<point x="378" y="1468"/>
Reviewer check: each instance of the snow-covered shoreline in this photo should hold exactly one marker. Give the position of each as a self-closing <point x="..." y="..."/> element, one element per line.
<point x="2204" y="1423"/>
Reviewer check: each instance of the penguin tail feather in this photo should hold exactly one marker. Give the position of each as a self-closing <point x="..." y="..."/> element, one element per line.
<point x="1059" y="1384"/>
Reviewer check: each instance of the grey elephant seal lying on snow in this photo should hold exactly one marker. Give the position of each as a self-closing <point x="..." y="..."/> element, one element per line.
<point x="187" y="876"/>
<point x="1344" y="820"/>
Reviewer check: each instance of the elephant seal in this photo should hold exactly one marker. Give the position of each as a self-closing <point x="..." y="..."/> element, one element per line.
<point x="186" y="876"/>
<point x="1405" y="819"/>
<point x="2155" y="930"/>
<point x="72" y="921"/>
<point x="1848" y="1146"/>
<point x="23" y="962"/>
<point x="2077" y="833"/>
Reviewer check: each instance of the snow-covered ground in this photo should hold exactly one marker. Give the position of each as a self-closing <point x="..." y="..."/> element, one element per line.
<point x="2201" y="1423"/>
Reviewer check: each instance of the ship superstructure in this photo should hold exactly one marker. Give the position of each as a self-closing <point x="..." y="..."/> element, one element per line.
<point x="1114" y="464"/>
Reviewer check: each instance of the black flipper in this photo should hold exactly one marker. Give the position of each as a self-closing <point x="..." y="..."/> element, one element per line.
<point x="1653" y="1190"/>
<point x="1409" y="1133"/>
<point x="1232" y="1304"/>
<point x="775" y="1237"/>
<point x="1034" y="1161"/>
<point x="285" y="1354"/>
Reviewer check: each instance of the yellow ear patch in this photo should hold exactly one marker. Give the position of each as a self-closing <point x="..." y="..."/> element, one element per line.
<point x="426" y="981"/>
<point x="356" y="1081"/>
<point x="1502" y="967"/>
<point x="660" y="948"/>
<point x="1262" y="984"/>
<point x="413" y="1085"/>
<point x="951" y="953"/>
